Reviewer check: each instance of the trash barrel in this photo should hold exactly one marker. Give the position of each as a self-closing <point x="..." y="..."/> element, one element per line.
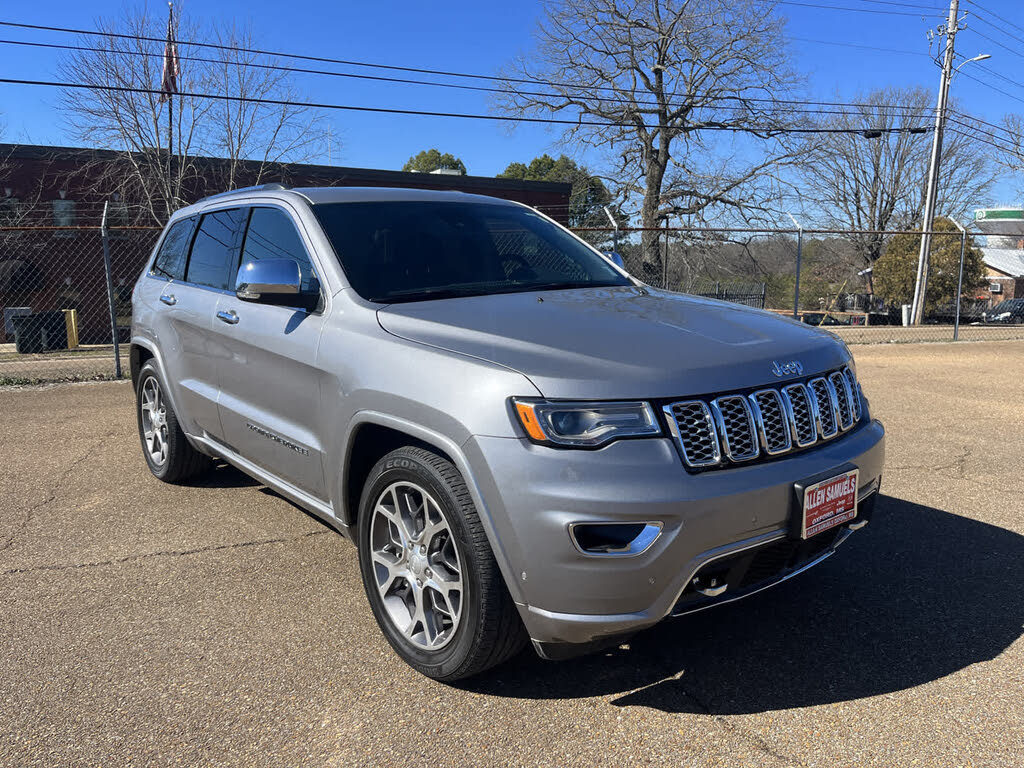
<point x="40" y="332"/>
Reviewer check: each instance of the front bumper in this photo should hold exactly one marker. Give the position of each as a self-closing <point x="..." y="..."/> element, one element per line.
<point x="535" y="493"/>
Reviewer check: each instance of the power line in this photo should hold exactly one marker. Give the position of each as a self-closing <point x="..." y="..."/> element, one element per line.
<point x="1007" y="94"/>
<point x="1009" y="134"/>
<point x="971" y="131"/>
<point x="861" y="10"/>
<point x="392" y="67"/>
<point x="995" y="15"/>
<point x="993" y="40"/>
<point x="763" y="132"/>
<point x="858" y="45"/>
<point x="797" y="108"/>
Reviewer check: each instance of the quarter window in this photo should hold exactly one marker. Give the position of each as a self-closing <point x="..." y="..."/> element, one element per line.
<point x="214" y="258"/>
<point x="272" y="235"/>
<point x="170" y="260"/>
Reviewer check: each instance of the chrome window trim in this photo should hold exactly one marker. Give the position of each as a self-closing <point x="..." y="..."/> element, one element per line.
<point x="716" y="411"/>
<point x="755" y="407"/>
<point x="673" y="426"/>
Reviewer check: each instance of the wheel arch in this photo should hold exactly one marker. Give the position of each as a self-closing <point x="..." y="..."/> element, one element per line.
<point x="372" y="435"/>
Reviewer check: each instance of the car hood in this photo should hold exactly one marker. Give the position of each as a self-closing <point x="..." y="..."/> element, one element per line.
<point x="613" y="343"/>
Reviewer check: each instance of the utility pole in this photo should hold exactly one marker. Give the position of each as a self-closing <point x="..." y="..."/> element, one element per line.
<point x="921" y="285"/>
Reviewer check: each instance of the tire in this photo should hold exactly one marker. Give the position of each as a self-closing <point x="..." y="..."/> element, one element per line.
<point x="168" y="453"/>
<point x="467" y="622"/>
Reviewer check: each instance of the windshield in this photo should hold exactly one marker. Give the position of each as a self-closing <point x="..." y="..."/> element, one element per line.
<point x="414" y="251"/>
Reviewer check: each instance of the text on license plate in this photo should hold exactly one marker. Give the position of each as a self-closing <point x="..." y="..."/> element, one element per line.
<point x="829" y="503"/>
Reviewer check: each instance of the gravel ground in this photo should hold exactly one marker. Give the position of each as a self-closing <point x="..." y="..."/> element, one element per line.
<point x="217" y="624"/>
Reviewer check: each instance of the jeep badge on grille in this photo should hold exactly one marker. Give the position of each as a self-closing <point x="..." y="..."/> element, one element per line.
<point x="790" y="368"/>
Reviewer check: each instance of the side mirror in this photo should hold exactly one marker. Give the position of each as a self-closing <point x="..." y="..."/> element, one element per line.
<point x="615" y="259"/>
<point x="266" y="278"/>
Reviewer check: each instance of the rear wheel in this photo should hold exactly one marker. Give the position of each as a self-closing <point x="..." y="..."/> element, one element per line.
<point x="168" y="453"/>
<point x="428" y="570"/>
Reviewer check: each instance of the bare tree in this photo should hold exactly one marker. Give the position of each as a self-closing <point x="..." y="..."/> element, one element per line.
<point x="1012" y="155"/>
<point x="877" y="181"/>
<point x="671" y="84"/>
<point x="116" y="115"/>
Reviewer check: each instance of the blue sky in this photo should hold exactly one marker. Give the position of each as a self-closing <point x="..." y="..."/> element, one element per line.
<point x="481" y="36"/>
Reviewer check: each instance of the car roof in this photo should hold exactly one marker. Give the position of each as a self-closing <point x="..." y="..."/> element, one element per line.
<point x="322" y="195"/>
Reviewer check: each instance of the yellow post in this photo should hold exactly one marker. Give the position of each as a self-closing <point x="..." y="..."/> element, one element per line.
<point x="71" y="321"/>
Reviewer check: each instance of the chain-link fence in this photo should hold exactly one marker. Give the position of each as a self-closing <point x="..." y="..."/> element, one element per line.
<point x="858" y="284"/>
<point x="66" y="299"/>
<point x="65" y="291"/>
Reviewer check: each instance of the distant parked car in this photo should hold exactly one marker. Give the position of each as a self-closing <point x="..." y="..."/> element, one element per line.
<point x="1008" y="311"/>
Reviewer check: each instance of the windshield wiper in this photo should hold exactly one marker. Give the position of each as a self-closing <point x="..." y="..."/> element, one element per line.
<point x="569" y="285"/>
<point x="440" y="292"/>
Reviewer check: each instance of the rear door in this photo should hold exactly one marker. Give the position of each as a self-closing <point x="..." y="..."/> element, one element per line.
<point x="177" y="318"/>
<point x="270" y="386"/>
<point x="191" y="314"/>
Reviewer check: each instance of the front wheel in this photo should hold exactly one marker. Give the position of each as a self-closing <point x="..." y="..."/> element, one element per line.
<point x="428" y="570"/>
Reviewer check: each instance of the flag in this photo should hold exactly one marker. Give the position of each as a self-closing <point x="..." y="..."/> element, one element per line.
<point x="172" y="70"/>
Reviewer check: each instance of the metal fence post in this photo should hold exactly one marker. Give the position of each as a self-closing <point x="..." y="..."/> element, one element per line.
<point x="799" y="258"/>
<point x="960" y="279"/>
<point x="110" y="291"/>
<point x="664" y="264"/>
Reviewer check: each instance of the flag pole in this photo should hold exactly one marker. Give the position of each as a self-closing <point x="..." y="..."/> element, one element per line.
<point x="170" y="99"/>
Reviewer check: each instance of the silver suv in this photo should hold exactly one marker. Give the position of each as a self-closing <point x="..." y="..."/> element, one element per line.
<point x="524" y="442"/>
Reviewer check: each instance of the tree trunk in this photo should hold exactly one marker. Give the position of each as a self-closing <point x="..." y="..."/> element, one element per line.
<point x="650" y="239"/>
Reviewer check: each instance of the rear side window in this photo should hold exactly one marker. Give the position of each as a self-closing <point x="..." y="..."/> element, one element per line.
<point x="170" y="261"/>
<point x="214" y="258"/>
<point x="272" y="235"/>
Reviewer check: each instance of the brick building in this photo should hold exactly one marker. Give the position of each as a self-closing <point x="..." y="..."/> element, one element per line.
<point x="51" y="203"/>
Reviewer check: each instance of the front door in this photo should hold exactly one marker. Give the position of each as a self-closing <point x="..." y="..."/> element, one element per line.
<point x="269" y="383"/>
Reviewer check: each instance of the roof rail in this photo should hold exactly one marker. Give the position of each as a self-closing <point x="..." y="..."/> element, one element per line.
<point x="257" y="188"/>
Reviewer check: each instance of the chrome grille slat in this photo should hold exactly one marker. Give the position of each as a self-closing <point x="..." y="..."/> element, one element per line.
<point x="823" y="399"/>
<point x="854" y="393"/>
<point x="737" y="428"/>
<point x="844" y="412"/>
<point x="802" y="421"/>
<point x="694" y="429"/>
<point x="772" y="421"/>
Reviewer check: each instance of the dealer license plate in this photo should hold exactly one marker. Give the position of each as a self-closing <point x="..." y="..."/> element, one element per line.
<point x="829" y="503"/>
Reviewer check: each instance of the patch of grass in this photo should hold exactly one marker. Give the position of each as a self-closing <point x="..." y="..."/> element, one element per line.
<point x="30" y="381"/>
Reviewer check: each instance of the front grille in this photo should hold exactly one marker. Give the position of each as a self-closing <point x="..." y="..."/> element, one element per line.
<point x="734" y="428"/>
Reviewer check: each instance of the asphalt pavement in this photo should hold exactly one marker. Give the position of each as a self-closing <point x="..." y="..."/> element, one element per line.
<point x="217" y="624"/>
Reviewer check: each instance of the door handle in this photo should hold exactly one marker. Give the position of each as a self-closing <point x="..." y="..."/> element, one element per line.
<point x="168" y="299"/>
<point x="230" y="317"/>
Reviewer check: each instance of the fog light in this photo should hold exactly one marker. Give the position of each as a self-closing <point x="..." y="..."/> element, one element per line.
<point x="611" y="539"/>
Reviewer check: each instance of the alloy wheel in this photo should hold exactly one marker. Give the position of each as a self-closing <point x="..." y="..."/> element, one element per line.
<point x="416" y="565"/>
<point x="154" y="421"/>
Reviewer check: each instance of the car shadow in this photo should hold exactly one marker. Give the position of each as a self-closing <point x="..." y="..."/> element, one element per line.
<point x="221" y="475"/>
<point x="917" y="595"/>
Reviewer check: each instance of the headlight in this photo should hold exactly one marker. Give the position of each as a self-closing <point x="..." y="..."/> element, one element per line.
<point x="585" y="425"/>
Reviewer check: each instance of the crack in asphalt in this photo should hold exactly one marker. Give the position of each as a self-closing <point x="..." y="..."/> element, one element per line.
<point x="163" y="553"/>
<point x="959" y="465"/>
<point x="52" y="495"/>
<point x="736" y="730"/>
